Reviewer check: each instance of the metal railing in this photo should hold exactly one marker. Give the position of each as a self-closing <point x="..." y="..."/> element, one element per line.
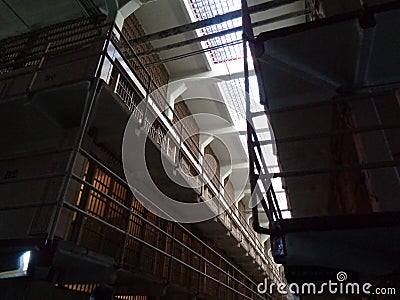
<point x="257" y="163"/>
<point x="69" y="42"/>
<point x="144" y="240"/>
<point x="39" y="60"/>
<point x="192" y="151"/>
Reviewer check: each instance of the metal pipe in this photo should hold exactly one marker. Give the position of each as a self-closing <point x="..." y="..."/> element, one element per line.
<point x="28" y="205"/>
<point x="171" y="251"/>
<point x="39" y="177"/>
<point x="271" y="190"/>
<point x="341" y="222"/>
<point x="88" y="155"/>
<point x="150" y="79"/>
<point x="128" y="222"/>
<point x="108" y="197"/>
<point x="142" y="242"/>
<point x="246" y="21"/>
<point x="282" y="17"/>
<point x="190" y="41"/>
<point x="76" y="232"/>
<point x="264" y="165"/>
<point x="122" y="181"/>
<point x="343" y="168"/>
<point x="86" y="116"/>
<point x="223" y="32"/>
<point x="272" y="207"/>
<point x="247" y="33"/>
<point x="266" y="209"/>
<point x="76" y="149"/>
<point x="39" y="67"/>
<point x="211" y="21"/>
<point x="328" y="134"/>
<point x="219" y="183"/>
<point x="189" y="54"/>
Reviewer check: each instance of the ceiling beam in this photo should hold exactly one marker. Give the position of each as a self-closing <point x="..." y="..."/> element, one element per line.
<point x="225" y="71"/>
<point x="337" y="169"/>
<point x="211" y="21"/>
<point x="213" y="35"/>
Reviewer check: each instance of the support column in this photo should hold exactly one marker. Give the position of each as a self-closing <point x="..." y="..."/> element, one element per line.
<point x="174" y="91"/>
<point x="205" y="140"/>
<point x="117" y="13"/>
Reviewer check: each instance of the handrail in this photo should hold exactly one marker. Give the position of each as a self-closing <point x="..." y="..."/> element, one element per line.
<point x="243" y="226"/>
<point x="97" y="219"/>
<point x="38" y="54"/>
<point x="125" y="183"/>
<point x="256" y="164"/>
<point x="220" y="185"/>
<point x="108" y="197"/>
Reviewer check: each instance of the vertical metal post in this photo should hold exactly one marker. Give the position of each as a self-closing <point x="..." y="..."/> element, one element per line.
<point x="143" y="120"/>
<point x="246" y="22"/>
<point x="43" y="58"/>
<point x="219" y="197"/>
<point x="172" y="252"/>
<point x="221" y="270"/>
<point x="128" y="222"/>
<point x="177" y="154"/>
<point x="78" y="225"/>
<point x="140" y="259"/>
<point x="203" y="182"/>
<point x="86" y="116"/>
<point x="203" y="269"/>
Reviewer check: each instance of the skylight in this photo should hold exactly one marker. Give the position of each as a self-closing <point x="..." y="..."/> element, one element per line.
<point x="233" y="92"/>
<point x="205" y="9"/>
<point x="228" y="50"/>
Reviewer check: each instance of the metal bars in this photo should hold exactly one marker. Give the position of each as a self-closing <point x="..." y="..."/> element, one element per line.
<point x="70" y="176"/>
<point x="211" y="21"/>
<point x="272" y="211"/>
<point x="219" y="185"/>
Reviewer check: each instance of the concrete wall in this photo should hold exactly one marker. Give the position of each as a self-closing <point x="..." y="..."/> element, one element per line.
<point x="18" y="190"/>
